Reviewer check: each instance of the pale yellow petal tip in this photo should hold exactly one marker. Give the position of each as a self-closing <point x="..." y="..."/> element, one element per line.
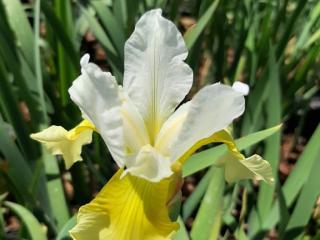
<point x="262" y="169"/>
<point x="33" y="136"/>
<point x="59" y="141"/>
<point x="253" y="167"/>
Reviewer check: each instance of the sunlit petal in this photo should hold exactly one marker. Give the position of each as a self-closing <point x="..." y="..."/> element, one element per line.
<point x="170" y="130"/>
<point x="156" y="77"/>
<point x="135" y="132"/>
<point x="253" y="167"/>
<point x="127" y="209"/>
<point x="97" y="95"/>
<point x="239" y="167"/>
<point x="68" y="144"/>
<point x="211" y="110"/>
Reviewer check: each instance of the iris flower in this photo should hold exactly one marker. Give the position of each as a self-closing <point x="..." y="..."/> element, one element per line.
<point x="148" y="133"/>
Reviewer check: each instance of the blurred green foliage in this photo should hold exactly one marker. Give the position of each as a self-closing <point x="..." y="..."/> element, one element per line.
<point x="272" y="45"/>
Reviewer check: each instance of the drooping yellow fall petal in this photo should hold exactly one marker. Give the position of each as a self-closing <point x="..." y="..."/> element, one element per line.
<point x="59" y="141"/>
<point x="236" y="166"/>
<point x="127" y="209"/>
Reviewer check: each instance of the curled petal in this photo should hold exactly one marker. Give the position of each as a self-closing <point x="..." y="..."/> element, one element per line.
<point x="236" y="166"/>
<point x="253" y="167"/>
<point x="59" y="141"/>
<point x="128" y="208"/>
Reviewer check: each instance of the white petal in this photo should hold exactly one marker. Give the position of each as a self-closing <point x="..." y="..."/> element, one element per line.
<point x="241" y="87"/>
<point x="97" y="95"/>
<point x="156" y="76"/>
<point x="171" y="129"/>
<point x="84" y="61"/>
<point x="135" y="132"/>
<point x="148" y="164"/>
<point x="211" y="110"/>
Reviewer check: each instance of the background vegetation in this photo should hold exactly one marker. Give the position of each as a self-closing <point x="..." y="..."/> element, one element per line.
<point x="272" y="45"/>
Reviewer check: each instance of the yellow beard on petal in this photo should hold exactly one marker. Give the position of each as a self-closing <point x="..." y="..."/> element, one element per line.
<point x="129" y="208"/>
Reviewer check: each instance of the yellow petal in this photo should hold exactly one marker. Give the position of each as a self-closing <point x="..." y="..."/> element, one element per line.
<point x="129" y="208"/>
<point x="59" y="141"/>
<point x="222" y="136"/>
<point x="237" y="167"/>
<point x="80" y="128"/>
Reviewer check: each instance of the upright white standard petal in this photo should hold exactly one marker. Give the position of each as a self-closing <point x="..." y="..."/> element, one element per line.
<point x="156" y="76"/>
<point x="97" y="95"/>
<point x="212" y="109"/>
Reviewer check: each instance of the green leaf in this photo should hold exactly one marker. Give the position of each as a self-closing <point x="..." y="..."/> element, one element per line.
<point x="114" y="29"/>
<point x="298" y="177"/>
<point x="120" y="13"/>
<point x="60" y="32"/>
<point x="17" y="65"/>
<point x="254" y="108"/>
<point x="211" y="206"/>
<point x="67" y="70"/>
<point x="22" y="29"/>
<point x="289" y="27"/>
<point x="132" y="8"/>
<point x="272" y="144"/>
<point x="11" y="112"/>
<point x="315" y="37"/>
<point x="304" y="207"/>
<point x="103" y="38"/>
<point x="307" y="28"/>
<point x="193" y="200"/>
<point x="18" y="170"/>
<point x="283" y="208"/>
<point x="192" y="35"/>
<point x="208" y="157"/>
<point x="48" y="164"/>
<point x="34" y="228"/>
<point x="240" y="232"/>
<point x="64" y="232"/>
<point x="182" y="233"/>
<point x="38" y="67"/>
<point x="2" y="221"/>
<point x="55" y="189"/>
